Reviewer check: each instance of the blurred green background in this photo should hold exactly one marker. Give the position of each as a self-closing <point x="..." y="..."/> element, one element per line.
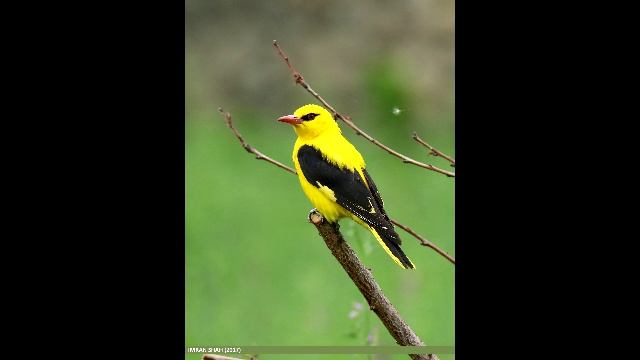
<point x="256" y="272"/>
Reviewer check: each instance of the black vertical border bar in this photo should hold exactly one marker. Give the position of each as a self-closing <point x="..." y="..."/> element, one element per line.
<point x="180" y="173"/>
<point x="468" y="92"/>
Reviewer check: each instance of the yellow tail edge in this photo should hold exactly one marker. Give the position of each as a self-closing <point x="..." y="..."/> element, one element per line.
<point x="386" y="248"/>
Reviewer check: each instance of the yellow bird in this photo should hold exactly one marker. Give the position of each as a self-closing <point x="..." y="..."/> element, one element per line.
<point x="333" y="176"/>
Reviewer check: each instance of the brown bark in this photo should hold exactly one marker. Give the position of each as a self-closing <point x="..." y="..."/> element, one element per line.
<point x="364" y="281"/>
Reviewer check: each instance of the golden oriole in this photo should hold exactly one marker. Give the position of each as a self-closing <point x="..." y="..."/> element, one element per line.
<point x="333" y="176"/>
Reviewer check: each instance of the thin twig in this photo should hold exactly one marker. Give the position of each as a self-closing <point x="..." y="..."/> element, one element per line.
<point x="433" y="151"/>
<point x="218" y="357"/>
<point x="249" y="148"/>
<point x="425" y="242"/>
<point x="364" y="281"/>
<point x="347" y="120"/>
<point x="259" y="155"/>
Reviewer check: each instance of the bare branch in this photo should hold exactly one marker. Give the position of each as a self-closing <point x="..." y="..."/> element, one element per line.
<point x="261" y="156"/>
<point x="364" y="281"/>
<point x="433" y="151"/>
<point x="425" y="242"/>
<point x="217" y="357"/>
<point x="249" y="148"/>
<point x="347" y="120"/>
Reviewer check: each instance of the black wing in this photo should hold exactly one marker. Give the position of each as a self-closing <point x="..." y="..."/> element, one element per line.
<point x="375" y="193"/>
<point x="350" y="190"/>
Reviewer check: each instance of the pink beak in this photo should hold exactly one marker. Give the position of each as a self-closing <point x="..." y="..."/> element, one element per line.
<point x="290" y="119"/>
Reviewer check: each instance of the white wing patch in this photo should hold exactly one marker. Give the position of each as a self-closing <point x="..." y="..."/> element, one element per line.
<point x="326" y="191"/>
<point x="373" y="209"/>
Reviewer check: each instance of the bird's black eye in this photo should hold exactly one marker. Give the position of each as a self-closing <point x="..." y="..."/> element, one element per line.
<point x="309" y="116"/>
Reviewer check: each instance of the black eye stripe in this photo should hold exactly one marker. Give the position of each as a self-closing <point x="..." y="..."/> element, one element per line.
<point x="309" y="116"/>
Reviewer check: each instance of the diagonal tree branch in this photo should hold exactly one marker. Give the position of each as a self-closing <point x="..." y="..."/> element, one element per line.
<point x="250" y="149"/>
<point x="433" y="151"/>
<point x="218" y="357"/>
<point x="364" y="281"/>
<point x="261" y="156"/>
<point x="347" y="120"/>
<point x="425" y="242"/>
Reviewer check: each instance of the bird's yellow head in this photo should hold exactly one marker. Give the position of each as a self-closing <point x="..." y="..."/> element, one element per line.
<point x="311" y="120"/>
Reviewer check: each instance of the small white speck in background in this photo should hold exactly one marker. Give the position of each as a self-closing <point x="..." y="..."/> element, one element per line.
<point x="353" y="314"/>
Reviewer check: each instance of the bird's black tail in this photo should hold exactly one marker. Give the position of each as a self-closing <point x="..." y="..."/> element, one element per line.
<point x="393" y="249"/>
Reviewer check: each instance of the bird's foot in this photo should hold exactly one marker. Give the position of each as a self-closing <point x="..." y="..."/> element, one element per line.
<point x="315" y="217"/>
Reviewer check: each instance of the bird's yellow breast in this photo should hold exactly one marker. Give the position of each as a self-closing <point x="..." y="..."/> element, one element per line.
<point x="338" y="151"/>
